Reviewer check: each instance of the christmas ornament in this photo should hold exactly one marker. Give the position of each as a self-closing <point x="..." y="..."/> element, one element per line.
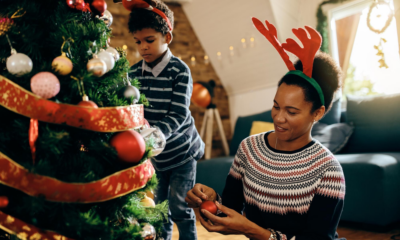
<point x="150" y="194"/>
<point x="76" y="4"/>
<point x="157" y="137"/>
<point x="209" y="206"/>
<point x="108" y="58"/>
<point x="45" y="85"/>
<point x="122" y="52"/>
<point x="130" y="146"/>
<point x="97" y="66"/>
<point x="5" y="25"/>
<point x="3" y="202"/>
<point x="99" y="7"/>
<point x="33" y="135"/>
<point x="87" y="103"/>
<point x="62" y="65"/>
<point x="147" y="202"/>
<point x="113" y="52"/>
<point x="148" y="232"/>
<point x="19" y="64"/>
<point x="107" y="18"/>
<point x="130" y="92"/>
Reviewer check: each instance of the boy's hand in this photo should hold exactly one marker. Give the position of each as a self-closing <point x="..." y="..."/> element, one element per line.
<point x="198" y="194"/>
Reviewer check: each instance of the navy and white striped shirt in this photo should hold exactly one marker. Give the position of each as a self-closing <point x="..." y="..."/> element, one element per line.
<point x="168" y="87"/>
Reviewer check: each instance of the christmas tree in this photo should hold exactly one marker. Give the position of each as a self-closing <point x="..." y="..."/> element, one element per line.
<point x="74" y="145"/>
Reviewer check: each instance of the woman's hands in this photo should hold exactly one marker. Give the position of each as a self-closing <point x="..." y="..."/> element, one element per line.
<point x="198" y="194"/>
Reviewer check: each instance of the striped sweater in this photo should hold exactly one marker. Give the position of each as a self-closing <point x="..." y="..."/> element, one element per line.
<point x="299" y="194"/>
<point x="168" y="87"/>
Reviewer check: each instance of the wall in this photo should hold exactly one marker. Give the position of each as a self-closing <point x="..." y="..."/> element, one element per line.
<point x="185" y="44"/>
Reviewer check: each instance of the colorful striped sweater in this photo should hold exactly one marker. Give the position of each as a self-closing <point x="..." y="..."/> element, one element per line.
<point x="300" y="194"/>
<point x="168" y="87"/>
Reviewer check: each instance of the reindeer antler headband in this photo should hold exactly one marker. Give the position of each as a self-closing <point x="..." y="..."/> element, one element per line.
<point x="306" y="54"/>
<point x="131" y="4"/>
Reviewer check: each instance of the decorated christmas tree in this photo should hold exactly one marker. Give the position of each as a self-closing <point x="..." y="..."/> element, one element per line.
<point x="74" y="145"/>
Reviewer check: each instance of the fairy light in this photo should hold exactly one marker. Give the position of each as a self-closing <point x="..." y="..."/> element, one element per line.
<point x="219" y="55"/>
<point x="231" y="50"/>
<point x="193" y="61"/>
<point x="206" y="61"/>
<point x="243" y="42"/>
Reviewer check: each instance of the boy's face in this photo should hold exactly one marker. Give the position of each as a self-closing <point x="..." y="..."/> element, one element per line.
<point x="151" y="44"/>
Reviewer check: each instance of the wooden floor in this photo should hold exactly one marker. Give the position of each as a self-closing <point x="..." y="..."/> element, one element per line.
<point x="350" y="233"/>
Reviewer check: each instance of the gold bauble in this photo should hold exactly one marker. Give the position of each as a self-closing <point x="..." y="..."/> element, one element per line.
<point x="147" y="202"/>
<point x="97" y="66"/>
<point x="62" y="65"/>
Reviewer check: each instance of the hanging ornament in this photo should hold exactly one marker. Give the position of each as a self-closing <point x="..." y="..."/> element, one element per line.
<point x="156" y="137"/>
<point x="45" y="85"/>
<point x="130" y="146"/>
<point x="113" y="52"/>
<point x="97" y="66"/>
<point x="99" y="7"/>
<point x="147" y="202"/>
<point x="3" y="202"/>
<point x="76" y="4"/>
<point x="148" y="232"/>
<point x="87" y="103"/>
<point x="130" y="92"/>
<point x="5" y="25"/>
<point x="107" y="58"/>
<point x="62" y="65"/>
<point x="107" y="18"/>
<point x="122" y="52"/>
<point x="19" y="64"/>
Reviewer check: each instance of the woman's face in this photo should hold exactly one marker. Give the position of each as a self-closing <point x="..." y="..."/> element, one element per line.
<point x="292" y="114"/>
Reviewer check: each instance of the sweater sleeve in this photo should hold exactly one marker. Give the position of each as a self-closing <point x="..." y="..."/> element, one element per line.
<point x="325" y="209"/>
<point x="180" y="102"/>
<point x="233" y="196"/>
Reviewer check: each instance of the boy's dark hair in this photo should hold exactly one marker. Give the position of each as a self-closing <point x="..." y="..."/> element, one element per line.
<point x="141" y="18"/>
<point x="327" y="74"/>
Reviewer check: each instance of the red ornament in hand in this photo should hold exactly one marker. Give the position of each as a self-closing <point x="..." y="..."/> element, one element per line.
<point x="76" y="4"/>
<point x="3" y="202"/>
<point x="209" y="206"/>
<point x="99" y="7"/>
<point x="130" y="146"/>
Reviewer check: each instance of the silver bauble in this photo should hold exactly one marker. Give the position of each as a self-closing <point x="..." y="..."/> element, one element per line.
<point x="19" y="64"/>
<point x="158" y="138"/>
<point x="113" y="52"/>
<point x="97" y="66"/>
<point x="148" y="232"/>
<point x="129" y="92"/>
<point x="107" y="58"/>
<point x="107" y="18"/>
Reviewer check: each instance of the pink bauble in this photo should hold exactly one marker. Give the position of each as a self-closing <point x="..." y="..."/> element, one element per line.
<point x="45" y="85"/>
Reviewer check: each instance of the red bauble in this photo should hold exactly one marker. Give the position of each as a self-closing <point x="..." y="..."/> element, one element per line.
<point x="3" y="202"/>
<point x="209" y="206"/>
<point x="88" y="104"/>
<point x="76" y="4"/>
<point x="99" y="7"/>
<point x="130" y="146"/>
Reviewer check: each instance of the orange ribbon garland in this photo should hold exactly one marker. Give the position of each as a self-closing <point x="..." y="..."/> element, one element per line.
<point x="108" y="119"/>
<point x="116" y="185"/>
<point x="23" y="230"/>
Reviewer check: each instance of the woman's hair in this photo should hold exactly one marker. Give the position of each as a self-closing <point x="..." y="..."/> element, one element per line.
<point x="327" y="74"/>
<point x="141" y="18"/>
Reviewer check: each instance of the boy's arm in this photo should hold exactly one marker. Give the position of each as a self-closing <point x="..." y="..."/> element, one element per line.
<point x="180" y="102"/>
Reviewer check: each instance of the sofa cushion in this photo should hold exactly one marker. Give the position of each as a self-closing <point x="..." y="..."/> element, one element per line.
<point x="334" y="136"/>
<point x="372" y="183"/>
<point x="213" y="172"/>
<point x="243" y="127"/>
<point x="376" y="124"/>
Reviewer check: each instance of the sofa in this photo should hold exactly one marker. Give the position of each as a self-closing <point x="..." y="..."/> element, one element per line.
<point x="370" y="159"/>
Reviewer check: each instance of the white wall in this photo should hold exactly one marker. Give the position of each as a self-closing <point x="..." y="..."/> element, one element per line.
<point x="251" y="76"/>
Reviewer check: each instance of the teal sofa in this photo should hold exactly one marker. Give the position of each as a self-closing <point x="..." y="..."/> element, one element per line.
<point x="370" y="159"/>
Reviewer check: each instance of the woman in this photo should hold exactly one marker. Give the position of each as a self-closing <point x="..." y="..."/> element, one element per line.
<point x="290" y="185"/>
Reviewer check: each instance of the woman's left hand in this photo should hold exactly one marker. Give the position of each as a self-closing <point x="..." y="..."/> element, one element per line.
<point x="234" y="223"/>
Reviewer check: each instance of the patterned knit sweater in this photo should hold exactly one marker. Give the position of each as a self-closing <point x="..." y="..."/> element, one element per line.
<point x="299" y="194"/>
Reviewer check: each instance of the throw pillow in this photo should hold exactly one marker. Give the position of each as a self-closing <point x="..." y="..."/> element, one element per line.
<point x="260" y="127"/>
<point x="334" y="136"/>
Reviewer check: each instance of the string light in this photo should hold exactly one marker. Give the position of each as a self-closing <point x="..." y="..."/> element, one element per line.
<point x="219" y="55"/>
<point x="193" y="61"/>
<point x="232" y="52"/>
<point x="206" y="61"/>
<point x="244" y="42"/>
<point x="252" y="42"/>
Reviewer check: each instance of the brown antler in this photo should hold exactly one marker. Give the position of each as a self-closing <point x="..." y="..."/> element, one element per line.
<point x="272" y="36"/>
<point x="311" y="47"/>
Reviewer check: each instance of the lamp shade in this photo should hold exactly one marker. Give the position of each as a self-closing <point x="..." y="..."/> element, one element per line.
<point x="203" y="93"/>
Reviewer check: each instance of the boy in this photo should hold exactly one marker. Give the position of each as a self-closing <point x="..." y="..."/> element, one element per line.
<point x="167" y="83"/>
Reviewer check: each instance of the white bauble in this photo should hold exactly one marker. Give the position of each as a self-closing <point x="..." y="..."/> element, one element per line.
<point x="19" y="64"/>
<point x="97" y="66"/>
<point x="107" y="58"/>
<point x="113" y="52"/>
